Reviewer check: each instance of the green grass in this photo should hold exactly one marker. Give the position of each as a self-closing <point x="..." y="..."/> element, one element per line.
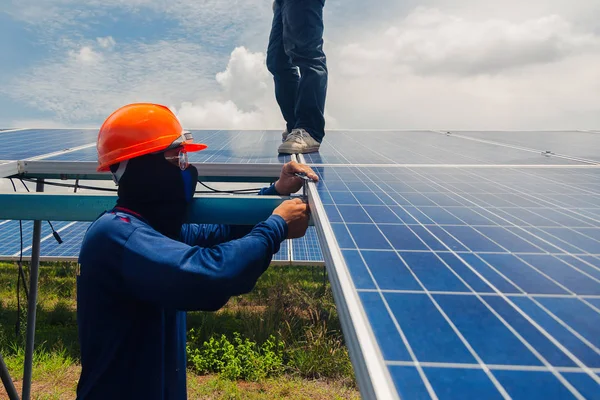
<point x="283" y="337"/>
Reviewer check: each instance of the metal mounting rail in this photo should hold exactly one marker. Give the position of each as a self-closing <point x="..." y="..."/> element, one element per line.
<point x="204" y="209"/>
<point x="219" y="172"/>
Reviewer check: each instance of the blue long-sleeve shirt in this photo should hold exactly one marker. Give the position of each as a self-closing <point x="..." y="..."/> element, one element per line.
<point x="134" y="286"/>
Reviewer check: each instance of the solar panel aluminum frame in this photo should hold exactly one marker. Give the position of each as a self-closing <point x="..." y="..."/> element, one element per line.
<point x="372" y="375"/>
<point x="219" y="172"/>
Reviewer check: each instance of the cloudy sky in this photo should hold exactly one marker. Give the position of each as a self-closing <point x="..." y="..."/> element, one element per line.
<point x="394" y="64"/>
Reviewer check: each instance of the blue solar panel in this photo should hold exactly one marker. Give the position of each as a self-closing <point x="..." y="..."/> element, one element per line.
<point x="477" y="282"/>
<point x="307" y="248"/>
<point x="87" y="154"/>
<point x="284" y="252"/>
<point x="570" y="143"/>
<point x="425" y="147"/>
<point x="243" y="147"/>
<point x="9" y="233"/>
<point x="71" y="233"/>
<point x="72" y="236"/>
<point x="20" y="145"/>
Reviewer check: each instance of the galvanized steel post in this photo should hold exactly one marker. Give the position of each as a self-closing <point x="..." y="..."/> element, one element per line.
<point x="33" y="291"/>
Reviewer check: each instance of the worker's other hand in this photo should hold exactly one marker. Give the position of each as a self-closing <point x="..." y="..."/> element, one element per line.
<point x="295" y="214"/>
<point x="289" y="183"/>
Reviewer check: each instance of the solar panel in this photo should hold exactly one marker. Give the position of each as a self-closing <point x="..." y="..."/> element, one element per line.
<point x="307" y="249"/>
<point x="419" y="147"/>
<point x="23" y="144"/>
<point x="10" y="243"/>
<point x="239" y="147"/>
<point x="474" y="257"/>
<point x="283" y="254"/>
<point x="72" y="234"/>
<point x="87" y="154"/>
<point x="580" y="144"/>
<point x="477" y="282"/>
<point x="243" y="147"/>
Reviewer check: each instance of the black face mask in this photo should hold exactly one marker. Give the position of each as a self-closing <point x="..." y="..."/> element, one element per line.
<point x="159" y="191"/>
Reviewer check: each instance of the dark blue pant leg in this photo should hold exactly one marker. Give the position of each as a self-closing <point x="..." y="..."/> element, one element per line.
<point x="303" y="42"/>
<point x="285" y="74"/>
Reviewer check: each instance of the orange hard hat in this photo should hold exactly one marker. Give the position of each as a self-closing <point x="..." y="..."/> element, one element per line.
<point x="138" y="129"/>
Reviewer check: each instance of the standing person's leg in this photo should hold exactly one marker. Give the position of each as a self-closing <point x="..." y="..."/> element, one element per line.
<point x="303" y="42"/>
<point x="285" y="74"/>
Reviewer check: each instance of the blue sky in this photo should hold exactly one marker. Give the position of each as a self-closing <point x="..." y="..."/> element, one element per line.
<point x="430" y="64"/>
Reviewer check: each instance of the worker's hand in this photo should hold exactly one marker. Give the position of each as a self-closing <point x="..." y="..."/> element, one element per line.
<point x="295" y="214"/>
<point x="288" y="183"/>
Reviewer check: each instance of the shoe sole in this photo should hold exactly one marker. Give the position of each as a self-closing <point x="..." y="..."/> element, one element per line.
<point x="308" y="150"/>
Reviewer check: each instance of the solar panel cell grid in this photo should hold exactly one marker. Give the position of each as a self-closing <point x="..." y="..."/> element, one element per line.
<point x="454" y="285"/>
<point x="307" y="248"/>
<point x="425" y="147"/>
<point x="284" y="252"/>
<point x="239" y="147"/>
<point x="572" y="143"/>
<point x="72" y="234"/>
<point x="20" y="145"/>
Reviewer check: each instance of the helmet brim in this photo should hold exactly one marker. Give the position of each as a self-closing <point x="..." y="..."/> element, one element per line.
<point x="191" y="147"/>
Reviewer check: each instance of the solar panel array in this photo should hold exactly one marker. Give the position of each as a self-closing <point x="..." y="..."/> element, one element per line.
<point x="479" y="281"/>
<point x="474" y="256"/>
<point x="305" y="250"/>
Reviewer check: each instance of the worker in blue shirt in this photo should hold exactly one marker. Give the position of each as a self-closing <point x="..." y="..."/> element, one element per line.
<point x="298" y="63"/>
<point x="141" y="267"/>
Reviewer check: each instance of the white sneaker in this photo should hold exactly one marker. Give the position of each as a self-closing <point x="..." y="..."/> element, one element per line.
<point x="284" y="135"/>
<point x="299" y="141"/>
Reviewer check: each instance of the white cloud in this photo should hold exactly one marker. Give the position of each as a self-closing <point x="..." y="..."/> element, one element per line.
<point x="106" y="42"/>
<point x="245" y="99"/>
<point x="246" y="78"/>
<point x="86" y="55"/>
<point x="168" y="72"/>
<point x="209" y="21"/>
<point x="431" y="42"/>
<point x="222" y="115"/>
<point x="439" y="71"/>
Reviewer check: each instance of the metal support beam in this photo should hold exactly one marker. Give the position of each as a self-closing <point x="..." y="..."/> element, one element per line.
<point x="204" y="209"/>
<point x="86" y="170"/>
<point x="31" y="311"/>
<point x="7" y="381"/>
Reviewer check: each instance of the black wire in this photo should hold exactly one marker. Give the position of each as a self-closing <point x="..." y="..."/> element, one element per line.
<point x="235" y="191"/>
<point x="54" y="233"/>
<point x="70" y="185"/>
<point x="26" y="188"/>
<point x="77" y="186"/>
<point x="20" y="276"/>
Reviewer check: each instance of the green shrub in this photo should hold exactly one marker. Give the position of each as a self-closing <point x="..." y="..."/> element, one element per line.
<point x="240" y="359"/>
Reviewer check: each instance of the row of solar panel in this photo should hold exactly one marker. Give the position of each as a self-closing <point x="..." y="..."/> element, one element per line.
<point x="340" y="147"/>
<point x="476" y="282"/>
<point x="303" y="250"/>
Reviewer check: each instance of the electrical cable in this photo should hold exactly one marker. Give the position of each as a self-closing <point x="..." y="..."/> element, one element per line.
<point x="54" y="233"/>
<point x="20" y="276"/>
<point x="78" y="186"/>
<point x="234" y="191"/>
<point x="69" y="185"/>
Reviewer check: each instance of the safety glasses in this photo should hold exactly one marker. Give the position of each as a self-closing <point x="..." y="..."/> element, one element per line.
<point x="178" y="157"/>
